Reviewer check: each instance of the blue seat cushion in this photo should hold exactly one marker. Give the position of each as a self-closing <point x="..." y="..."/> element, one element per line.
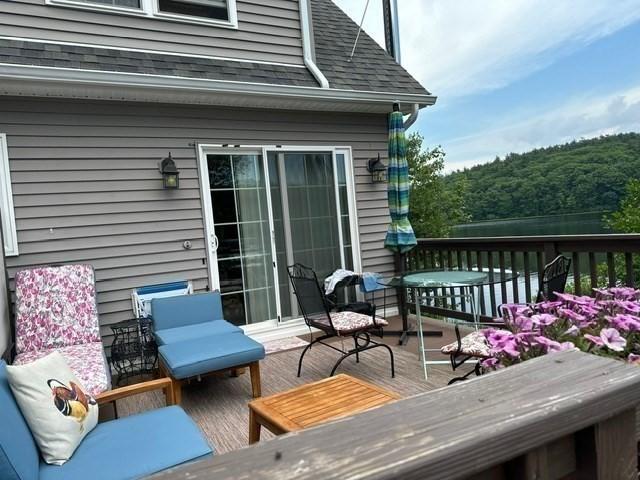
<point x="19" y="456"/>
<point x="198" y="330"/>
<point x="208" y="354"/>
<point x="172" y="312"/>
<point x="133" y="447"/>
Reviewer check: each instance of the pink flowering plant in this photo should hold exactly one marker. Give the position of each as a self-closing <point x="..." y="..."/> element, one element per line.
<point x="607" y="324"/>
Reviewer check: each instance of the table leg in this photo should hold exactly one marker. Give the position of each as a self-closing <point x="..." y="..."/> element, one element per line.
<point x="423" y="353"/>
<point x="254" y="427"/>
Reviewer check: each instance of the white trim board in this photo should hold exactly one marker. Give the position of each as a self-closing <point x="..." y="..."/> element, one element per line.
<point x="9" y="234"/>
<point x="149" y="9"/>
<point x="96" y="84"/>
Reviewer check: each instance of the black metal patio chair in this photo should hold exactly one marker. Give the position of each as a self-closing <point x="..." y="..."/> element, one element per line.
<point x="472" y="346"/>
<point x="316" y="312"/>
<point x="554" y="278"/>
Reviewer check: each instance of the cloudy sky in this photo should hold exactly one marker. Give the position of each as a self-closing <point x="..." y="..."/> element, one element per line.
<point x="512" y="75"/>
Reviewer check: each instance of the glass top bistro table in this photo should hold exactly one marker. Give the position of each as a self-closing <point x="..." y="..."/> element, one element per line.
<point x="428" y="286"/>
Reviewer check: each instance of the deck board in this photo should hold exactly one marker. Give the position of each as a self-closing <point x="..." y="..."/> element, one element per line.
<point x="219" y="405"/>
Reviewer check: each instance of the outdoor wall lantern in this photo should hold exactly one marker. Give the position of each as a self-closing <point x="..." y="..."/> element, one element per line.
<point x="378" y="170"/>
<point x="170" y="173"/>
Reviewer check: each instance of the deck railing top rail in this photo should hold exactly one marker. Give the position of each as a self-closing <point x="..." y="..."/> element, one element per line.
<point x="619" y="242"/>
<point x="561" y="414"/>
<point x="597" y="261"/>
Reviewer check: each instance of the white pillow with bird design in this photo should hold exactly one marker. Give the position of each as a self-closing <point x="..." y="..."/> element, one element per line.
<point x="54" y="404"/>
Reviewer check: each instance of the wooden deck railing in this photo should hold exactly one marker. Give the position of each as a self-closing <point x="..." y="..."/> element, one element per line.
<point x="569" y="415"/>
<point x="597" y="261"/>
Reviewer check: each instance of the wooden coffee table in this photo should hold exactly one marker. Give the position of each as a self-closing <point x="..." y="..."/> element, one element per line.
<point x="313" y="404"/>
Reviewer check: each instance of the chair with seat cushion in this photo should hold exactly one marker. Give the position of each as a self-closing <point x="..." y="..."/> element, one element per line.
<point x="194" y="340"/>
<point x="188" y="317"/>
<point x="128" y="448"/>
<point x="316" y="312"/>
<point x="56" y="309"/>
<point x="472" y="346"/>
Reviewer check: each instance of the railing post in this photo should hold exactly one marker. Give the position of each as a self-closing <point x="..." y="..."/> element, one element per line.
<point x="550" y="252"/>
<point x="608" y="450"/>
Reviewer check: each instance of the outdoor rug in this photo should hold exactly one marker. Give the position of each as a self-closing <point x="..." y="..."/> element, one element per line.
<point x="219" y="404"/>
<point x="283" y="344"/>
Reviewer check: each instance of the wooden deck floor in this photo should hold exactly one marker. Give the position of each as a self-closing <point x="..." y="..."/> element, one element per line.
<point x="219" y="405"/>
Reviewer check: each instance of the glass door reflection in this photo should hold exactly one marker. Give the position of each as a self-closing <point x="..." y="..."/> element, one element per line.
<point x="241" y="223"/>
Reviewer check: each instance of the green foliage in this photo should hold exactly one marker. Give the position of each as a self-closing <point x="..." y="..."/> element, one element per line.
<point x="434" y="205"/>
<point x="581" y="176"/>
<point x="627" y="218"/>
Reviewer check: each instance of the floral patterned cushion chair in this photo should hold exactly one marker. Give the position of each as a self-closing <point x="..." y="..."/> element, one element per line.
<point x="56" y="309"/>
<point x="316" y="310"/>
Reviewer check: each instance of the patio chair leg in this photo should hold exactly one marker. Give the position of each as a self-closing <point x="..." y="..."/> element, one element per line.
<point x="476" y="370"/>
<point x="308" y="347"/>
<point x="176" y="385"/>
<point x="355" y="340"/>
<point x="256" y="388"/>
<point x="335" y="367"/>
<point x="169" y="395"/>
<point x="393" y="363"/>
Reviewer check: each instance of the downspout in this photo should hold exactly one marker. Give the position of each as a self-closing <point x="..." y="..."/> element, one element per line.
<point x="307" y="44"/>
<point x="415" y="110"/>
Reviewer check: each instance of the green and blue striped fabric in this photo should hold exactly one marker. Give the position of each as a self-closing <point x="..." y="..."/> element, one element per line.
<point x="400" y="237"/>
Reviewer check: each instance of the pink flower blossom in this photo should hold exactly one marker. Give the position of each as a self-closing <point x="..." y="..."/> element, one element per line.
<point x="522" y="323"/>
<point x="571" y="315"/>
<point x="634" y="358"/>
<point x="503" y="341"/>
<point x="610" y="338"/>
<point x="596" y="340"/>
<point x="627" y="323"/>
<point x="543" y="319"/>
<point x="573" y="330"/>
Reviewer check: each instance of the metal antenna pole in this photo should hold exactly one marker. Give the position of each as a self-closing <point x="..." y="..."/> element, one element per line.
<point x="353" y="50"/>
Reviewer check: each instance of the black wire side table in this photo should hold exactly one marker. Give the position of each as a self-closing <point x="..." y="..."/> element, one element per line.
<point x="134" y="351"/>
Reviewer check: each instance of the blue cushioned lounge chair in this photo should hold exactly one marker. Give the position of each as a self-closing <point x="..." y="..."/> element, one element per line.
<point x="194" y="340"/>
<point x="129" y="448"/>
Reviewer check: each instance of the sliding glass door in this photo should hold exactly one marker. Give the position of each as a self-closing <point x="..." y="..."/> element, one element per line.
<point x="304" y="216"/>
<point x="241" y="223"/>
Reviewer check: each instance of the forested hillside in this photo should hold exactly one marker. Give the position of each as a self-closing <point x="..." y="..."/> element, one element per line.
<point x="581" y="176"/>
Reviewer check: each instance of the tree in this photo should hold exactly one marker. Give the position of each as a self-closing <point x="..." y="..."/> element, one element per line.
<point x="434" y="206"/>
<point x="627" y="218"/>
<point x="580" y="176"/>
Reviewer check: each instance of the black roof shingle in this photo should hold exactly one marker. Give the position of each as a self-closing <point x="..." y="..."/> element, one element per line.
<point x="115" y="60"/>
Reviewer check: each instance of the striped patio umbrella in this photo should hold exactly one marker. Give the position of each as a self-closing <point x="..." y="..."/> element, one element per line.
<point x="400" y="237"/>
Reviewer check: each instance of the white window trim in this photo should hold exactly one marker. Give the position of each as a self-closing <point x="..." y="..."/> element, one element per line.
<point x="149" y="9"/>
<point x="6" y="202"/>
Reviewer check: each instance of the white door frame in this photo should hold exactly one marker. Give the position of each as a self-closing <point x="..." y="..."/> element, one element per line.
<point x="211" y="242"/>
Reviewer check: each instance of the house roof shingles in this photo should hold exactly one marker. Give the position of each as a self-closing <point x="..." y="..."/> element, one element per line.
<point x="370" y="70"/>
<point x="114" y="60"/>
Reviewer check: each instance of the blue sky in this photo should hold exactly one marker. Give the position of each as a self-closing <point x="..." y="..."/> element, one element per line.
<point x="512" y="75"/>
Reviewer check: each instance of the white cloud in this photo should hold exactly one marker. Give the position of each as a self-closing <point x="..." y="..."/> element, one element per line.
<point x="583" y="117"/>
<point x="461" y="47"/>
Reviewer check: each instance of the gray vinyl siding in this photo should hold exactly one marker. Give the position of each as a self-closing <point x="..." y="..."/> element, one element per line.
<point x="268" y="30"/>
<point x="87" y="189"/>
